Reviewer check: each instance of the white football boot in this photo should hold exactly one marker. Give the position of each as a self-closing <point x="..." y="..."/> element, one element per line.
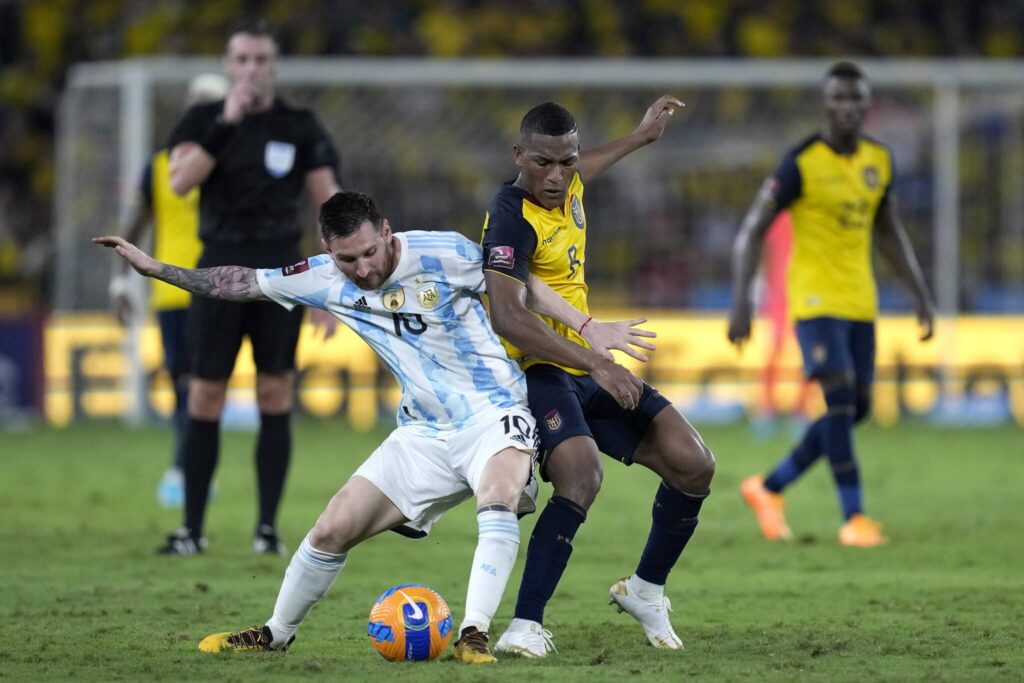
<point x="526" y="638"/>
<point x="652" y="616"/>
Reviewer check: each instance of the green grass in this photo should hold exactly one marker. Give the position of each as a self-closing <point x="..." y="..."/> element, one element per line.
<point x="82" y="598"/>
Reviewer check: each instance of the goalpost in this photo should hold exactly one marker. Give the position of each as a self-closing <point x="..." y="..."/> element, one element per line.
<point x="431" y="140"/>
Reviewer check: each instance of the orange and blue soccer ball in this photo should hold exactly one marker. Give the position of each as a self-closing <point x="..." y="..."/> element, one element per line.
<point x="410" y="622"/>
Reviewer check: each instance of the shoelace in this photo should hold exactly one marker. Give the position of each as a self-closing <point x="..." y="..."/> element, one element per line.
<point x="251" y="637"/>
<point x="475" y="640"/>
<point x="545" y="638"/>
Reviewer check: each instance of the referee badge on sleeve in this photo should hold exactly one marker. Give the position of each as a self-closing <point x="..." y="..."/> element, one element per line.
<point x="279" y="157"/>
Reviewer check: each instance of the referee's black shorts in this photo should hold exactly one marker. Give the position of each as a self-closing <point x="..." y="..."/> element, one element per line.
<point x="216" y="328"/>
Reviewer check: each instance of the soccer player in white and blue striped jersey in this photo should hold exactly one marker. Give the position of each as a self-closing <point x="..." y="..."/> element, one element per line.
<point x="464" y="426"/>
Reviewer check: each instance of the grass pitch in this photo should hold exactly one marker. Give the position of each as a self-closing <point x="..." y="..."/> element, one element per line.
<point x="83" y="598"/>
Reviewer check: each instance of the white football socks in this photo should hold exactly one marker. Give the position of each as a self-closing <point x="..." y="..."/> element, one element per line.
<point x="309" y="575"/>
<point x="495" y="554"/>
<point x="645" y="590"/>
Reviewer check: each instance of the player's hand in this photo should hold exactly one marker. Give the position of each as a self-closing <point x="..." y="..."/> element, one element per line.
<point x="323" y="323"/>
<point x="625" y="387"/>
<point x="739" y="325"/>
<point x="657" y="117"/>
<point x="622" y="335"/>
<point x="240" y="101"/>
<point x="926" y="320"/>
<point x="142" y="262"/>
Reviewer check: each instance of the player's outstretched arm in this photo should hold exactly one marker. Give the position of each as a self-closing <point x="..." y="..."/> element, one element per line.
<point x="602" y="337"/>
<point x="231" y="283"/>
<point x="515" y="322"/>
<point x="594" y="162"/>
<point x="746" y="256"/>
<point x="894" y="245"/>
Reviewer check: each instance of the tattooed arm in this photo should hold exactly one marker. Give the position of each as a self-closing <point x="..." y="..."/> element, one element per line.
<point x="230" y="283"/>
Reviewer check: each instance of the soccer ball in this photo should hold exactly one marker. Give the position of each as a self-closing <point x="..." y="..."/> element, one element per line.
<point x="410" y="622"/>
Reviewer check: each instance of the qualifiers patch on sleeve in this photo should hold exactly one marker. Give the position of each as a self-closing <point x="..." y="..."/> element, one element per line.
<point x="501" y="257"/>
<point x="300" y="267"/>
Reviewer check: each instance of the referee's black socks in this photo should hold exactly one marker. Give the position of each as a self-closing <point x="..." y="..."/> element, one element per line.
<point x="273" y="453"/>
<point x="202" y="449"/>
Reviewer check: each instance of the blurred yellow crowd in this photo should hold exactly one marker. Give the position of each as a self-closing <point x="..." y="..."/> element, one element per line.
<point x="39" y="39"/>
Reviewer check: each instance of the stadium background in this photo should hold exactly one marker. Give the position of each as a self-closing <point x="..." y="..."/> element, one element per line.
<point x="661" y="223"/>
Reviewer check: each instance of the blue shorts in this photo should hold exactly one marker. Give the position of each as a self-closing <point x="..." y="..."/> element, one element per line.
<point x="567" y="405"/>
<point x="837" y="346"/>
<point x="173" y="323"/>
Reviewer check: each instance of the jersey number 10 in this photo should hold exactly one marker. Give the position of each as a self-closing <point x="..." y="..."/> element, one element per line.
<point x="412" y="322"/>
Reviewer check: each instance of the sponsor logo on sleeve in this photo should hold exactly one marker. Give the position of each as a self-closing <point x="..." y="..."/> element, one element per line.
<point x="501" y="257"/>
<point x="300" y="267"/>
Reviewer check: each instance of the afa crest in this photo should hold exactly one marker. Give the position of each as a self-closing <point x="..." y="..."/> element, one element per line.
<point x="871" y="177"/>
<point x="578" y="217"/>
<point x="428" y="297"/>
<point x="393" y="299"/>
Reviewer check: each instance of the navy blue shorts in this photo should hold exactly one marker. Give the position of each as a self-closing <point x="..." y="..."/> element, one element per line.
<point x="567" y="405"/>
<point x="837" y="346"/>
<point x="173" y="323"/>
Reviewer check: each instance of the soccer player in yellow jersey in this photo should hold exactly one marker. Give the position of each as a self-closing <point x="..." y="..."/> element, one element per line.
<point x="584" y="404"/>
<point x="837" y="186"/>
<point x="175" y="224"/>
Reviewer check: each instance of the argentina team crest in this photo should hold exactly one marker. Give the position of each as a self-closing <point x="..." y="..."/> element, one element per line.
<point x="871" y="177"/>
<point x="428" y="297"/>
<point x="279" y="158"/>
<point x="578" y="217"/>
<point x="393" y="299"/>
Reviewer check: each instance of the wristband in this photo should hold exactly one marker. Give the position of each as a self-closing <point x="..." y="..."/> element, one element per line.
<point x="585" y="323"/>
<point x="217" y="135"/>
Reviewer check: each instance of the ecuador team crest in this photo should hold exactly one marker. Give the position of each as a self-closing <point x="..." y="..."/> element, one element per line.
<point x="871" y="177"/>
<point x="393" y="299"/>
<point x="578" y="217"/>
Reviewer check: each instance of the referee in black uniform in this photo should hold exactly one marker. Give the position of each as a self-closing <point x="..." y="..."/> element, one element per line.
<point x="252" y="156"/>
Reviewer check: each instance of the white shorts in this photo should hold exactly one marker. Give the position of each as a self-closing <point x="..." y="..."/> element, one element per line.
<point x="427" y="473"/>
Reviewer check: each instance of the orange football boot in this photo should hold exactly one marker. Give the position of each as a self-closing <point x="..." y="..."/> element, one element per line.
<point x="768" y="507"/>
<point x="862" y="532"/>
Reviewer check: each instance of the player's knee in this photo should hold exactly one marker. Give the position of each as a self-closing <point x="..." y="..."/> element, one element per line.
<point x="274" y="393"/>
<point x="581" y="488"/>
<point x="332" y="534"/>
<point x="690" y="466"/>
<point x="206" y="400"/>
<point x="501" y="493"/>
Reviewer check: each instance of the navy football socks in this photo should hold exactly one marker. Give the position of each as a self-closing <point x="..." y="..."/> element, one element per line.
<point x="803" y="456"/>
<point x="674" y="520"/>
<point x="547" y="556"/>
<point x="837" y="435"/>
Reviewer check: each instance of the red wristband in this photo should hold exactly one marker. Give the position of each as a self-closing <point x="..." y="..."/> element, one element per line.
<point x="585" y="323"/>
